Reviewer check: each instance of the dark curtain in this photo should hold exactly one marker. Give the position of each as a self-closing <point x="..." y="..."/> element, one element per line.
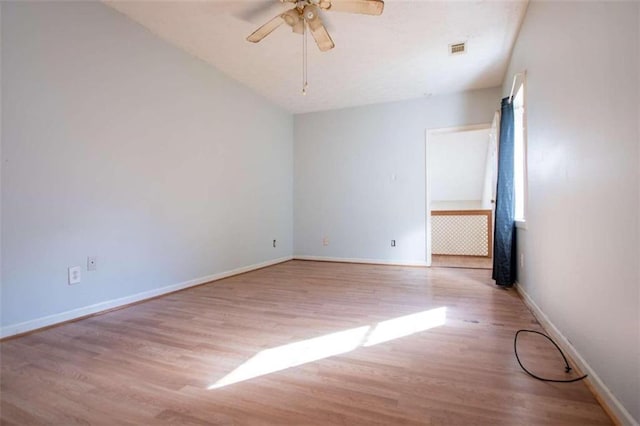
<point x="504" y="247"/>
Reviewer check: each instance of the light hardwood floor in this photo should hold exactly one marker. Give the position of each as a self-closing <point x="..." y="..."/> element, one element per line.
<point x="447" y="358"/>
<point x="473" y="262"/>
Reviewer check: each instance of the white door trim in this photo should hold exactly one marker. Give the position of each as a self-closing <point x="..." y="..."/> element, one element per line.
<point x="429" y="133"/>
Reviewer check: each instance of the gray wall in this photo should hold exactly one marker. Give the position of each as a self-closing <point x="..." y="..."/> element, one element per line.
<point x="360" y="175"/>
<point x="118" y="145"/>
<point x="581" y="245"/>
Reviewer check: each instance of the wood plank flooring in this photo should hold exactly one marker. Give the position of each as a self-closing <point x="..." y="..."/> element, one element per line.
<point x="473" y="262"/>
<point x="371" y="345"/>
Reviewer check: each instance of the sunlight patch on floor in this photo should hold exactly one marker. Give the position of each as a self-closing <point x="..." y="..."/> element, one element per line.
<point x="405" y="326"/>
<point x="309" y="350"/>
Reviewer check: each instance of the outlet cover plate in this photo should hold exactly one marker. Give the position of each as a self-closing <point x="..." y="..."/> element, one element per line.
<point x="75" y="275"/>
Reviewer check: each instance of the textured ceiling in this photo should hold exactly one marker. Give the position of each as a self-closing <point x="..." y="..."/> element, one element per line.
<point x="401" y="54"/>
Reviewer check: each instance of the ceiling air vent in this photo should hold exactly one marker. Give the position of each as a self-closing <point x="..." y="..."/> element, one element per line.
<point x="457" y="48"/>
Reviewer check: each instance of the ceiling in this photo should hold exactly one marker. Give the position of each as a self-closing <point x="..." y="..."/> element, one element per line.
<point x="401" y="54"/>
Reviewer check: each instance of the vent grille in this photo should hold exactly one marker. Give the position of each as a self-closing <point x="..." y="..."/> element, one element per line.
<point x="457" y="48"/>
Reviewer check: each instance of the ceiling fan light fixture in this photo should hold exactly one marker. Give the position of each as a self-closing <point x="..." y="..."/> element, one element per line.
<point x="324" y="4"/>
<point x="291" y="17"/>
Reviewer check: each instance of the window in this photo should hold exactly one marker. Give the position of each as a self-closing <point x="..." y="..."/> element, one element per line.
<point x="520" y="154"/>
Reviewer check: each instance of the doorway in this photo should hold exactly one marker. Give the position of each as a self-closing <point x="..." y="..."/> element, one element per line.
<point x="461" y="174"/>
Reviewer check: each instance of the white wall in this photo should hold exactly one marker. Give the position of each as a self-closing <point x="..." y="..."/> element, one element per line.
<point x="582" y="241"/>
<point x="457" y="205"/>
<point x="118" y="145"/>
<point x="1" y="160"/>
<point x="458" y="165"/>
<point x="360" y="175"/>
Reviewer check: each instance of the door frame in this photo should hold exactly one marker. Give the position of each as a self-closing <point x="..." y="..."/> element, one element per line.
<point x="429" y="134"/>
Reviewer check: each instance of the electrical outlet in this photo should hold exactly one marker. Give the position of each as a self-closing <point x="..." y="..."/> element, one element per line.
<point x="521" y="260"/>
<point x="74" y="275"/>
<point x="393" y="243"/>
<point x="325" y="241"/>
<point x="274" y="243"/>
<point x="92" y="263"/>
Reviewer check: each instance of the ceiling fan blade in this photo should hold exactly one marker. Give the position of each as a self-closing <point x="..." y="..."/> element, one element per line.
<point x="322" y="38"/>
<point x="318" y="30"/>
<point x="364" y="7"/>
<point x="266" y="29"/>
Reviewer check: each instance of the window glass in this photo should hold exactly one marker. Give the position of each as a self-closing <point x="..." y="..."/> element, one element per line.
<point x="519" y="155"/>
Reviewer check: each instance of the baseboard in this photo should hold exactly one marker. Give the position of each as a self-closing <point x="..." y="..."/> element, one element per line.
<point x="43" y="322"/>
<point x="357" y="260"/>
<point x="610" y="403"/>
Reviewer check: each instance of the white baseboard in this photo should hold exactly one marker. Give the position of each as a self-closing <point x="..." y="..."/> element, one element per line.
<point x="357" y="260"/>
<point x="26" y="326"/>
<point x="613" y="405"/>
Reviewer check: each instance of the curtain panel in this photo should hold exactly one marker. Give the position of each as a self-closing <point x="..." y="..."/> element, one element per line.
<point x="504" y="247"/>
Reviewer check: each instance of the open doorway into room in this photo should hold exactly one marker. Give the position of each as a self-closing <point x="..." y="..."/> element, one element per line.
<point x="460" y="193"/>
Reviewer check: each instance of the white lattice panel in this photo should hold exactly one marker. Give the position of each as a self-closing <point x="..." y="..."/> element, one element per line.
<point x="463" y="235"/>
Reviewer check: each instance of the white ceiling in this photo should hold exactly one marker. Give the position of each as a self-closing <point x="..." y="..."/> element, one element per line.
<point x="401" y="54"/>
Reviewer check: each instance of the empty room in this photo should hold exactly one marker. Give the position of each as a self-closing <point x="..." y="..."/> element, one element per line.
<point x="320" y="212"/>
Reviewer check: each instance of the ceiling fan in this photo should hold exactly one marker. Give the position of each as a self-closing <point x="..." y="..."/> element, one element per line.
<point x="308" y="11"/>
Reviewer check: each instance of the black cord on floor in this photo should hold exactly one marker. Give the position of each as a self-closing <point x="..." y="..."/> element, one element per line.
<point x="567" y="367"/>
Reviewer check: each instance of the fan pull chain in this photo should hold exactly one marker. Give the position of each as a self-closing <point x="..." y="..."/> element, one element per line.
<point x="305" y="84"/>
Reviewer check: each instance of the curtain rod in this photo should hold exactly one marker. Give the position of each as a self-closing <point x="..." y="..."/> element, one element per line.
<point x="513" y="85"/>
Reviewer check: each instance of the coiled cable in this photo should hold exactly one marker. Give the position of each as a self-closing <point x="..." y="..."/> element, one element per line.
<point x="567" y="367"/>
